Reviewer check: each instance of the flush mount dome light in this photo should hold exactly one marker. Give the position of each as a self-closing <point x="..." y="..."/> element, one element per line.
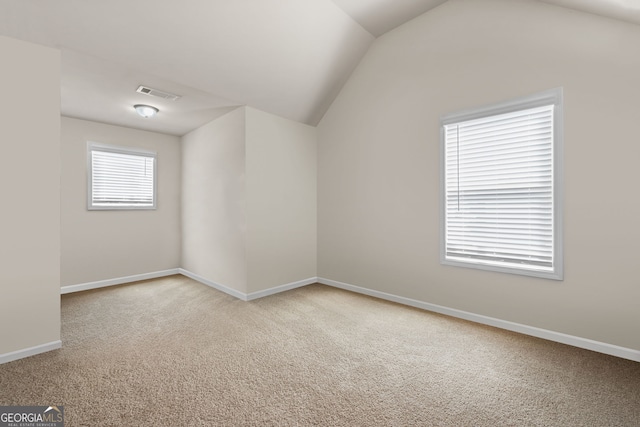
<point x="146" y="111"/>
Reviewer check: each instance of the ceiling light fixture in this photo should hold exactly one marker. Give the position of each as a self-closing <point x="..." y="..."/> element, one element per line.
<point x="146" y="111"/>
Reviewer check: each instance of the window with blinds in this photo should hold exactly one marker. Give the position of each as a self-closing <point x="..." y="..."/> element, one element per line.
<point x="500" y="187"/>
<point x="121" y="178"/>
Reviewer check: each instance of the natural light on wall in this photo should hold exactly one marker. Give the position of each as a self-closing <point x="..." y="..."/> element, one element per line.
<point x="500" y="188"/>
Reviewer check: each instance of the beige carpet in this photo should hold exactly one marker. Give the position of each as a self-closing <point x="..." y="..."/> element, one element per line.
<point x="172" y="352"/>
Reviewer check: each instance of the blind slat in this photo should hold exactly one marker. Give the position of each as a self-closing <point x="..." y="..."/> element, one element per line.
<point x="499" y="189"/>
<point x="122" y="180"/>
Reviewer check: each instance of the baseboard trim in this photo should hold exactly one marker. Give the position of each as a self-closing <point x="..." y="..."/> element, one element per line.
<point x="251" y="296"/>
<point x="31" y="351"/>
<point x="281" y="288"/>
<point x="215" y="285"/>
<point x="610" y="349"/>
<point x="117" y="281"/>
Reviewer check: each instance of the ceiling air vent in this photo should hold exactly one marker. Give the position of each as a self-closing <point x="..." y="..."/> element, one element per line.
<point x="157" y="93"/>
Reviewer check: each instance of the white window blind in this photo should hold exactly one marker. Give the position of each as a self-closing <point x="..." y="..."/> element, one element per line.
<point x="499" y="191"/>
<point x="121" y="178"/>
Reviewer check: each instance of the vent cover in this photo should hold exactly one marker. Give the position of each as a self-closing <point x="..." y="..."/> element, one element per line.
<point x="157" y="93"/>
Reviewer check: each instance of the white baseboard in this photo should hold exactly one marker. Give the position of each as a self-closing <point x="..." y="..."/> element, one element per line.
<point x="585" y="343"/>
<point x="117" y="281"/>
<point x="31" y="351"/>
<point x="613" y="350"/>
<point x="281" y="288"/>
<point x="253" y="295"/>
<point x="218" y="286"/>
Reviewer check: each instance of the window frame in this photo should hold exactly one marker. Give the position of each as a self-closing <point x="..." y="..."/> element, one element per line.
<point x="550" y="97"/>
<point x="96" y="146"/>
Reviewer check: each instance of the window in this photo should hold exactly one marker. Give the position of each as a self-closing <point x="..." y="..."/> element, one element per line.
<point x="501" y="187"/>
<point x="120" y="178"/>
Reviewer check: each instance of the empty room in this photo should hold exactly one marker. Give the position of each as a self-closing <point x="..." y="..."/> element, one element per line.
<point x="320" y="212"/>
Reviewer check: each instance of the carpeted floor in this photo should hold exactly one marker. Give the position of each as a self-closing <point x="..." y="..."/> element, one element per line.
<point x="172" y="352"/>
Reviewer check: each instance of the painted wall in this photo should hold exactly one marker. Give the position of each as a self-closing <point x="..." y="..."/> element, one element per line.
<point x="214" y="201"/>
<point x="99" y="245"/>
<point x="30" y="188"/>
<point x="281" y="166"/>
<point x="378" y="183"/>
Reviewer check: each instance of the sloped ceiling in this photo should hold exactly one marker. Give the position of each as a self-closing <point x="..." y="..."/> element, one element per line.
<point x="380" y="16"/>
<point x="625" y="10"/>
<point x="286" y="57"/>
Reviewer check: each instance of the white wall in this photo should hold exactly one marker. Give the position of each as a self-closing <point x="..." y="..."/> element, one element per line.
<point x="99" y="245"/>
<point x="214" y="201"/>
<point x="249" y="201"/>
<point x="30" y="188"/>
<point x="281" y="200"/>
<point x="378" y="183"/>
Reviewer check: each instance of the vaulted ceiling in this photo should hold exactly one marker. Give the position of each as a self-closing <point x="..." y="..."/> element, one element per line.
<point x="286" y="57"/>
